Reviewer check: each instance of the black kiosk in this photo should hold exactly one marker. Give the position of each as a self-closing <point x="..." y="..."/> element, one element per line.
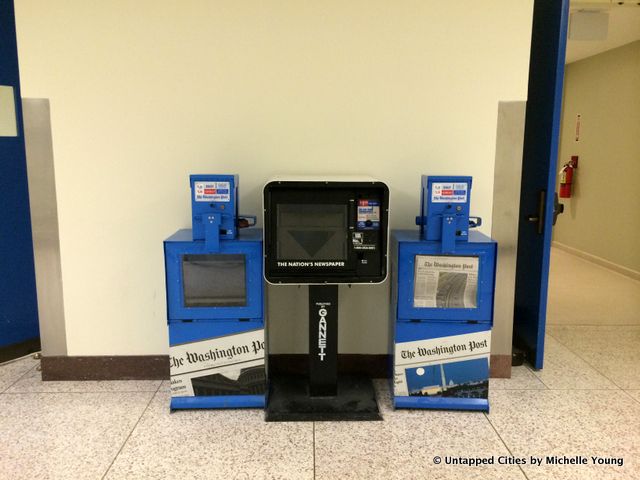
<point x="323" y="233"/>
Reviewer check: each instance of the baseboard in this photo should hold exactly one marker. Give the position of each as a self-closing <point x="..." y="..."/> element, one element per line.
<point x="156" y="367"/>
<point x="500" y="366"/>
<point x="628" y="272"/>
<point x="17" y="350"/>
<point x="126" y="367"/>
<point x="373" y="366"/>
<point x="370" y="365"/>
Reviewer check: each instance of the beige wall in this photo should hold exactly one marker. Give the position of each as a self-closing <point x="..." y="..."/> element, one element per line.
<point x="145" y="92"/>
<point x="603" y="216"/>
<point x="8" y="127"/>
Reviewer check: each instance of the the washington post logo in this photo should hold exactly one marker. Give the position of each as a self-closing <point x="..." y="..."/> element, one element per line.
<point x="322" y="333"/>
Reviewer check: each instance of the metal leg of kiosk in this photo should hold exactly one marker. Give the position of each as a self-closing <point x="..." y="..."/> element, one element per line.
<point x="323" y="395"/>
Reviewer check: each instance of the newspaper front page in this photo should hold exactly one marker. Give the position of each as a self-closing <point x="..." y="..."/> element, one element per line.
<point x="445" y="282"/>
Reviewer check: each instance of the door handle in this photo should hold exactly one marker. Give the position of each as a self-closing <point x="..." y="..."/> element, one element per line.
<point x="538" y="218"/>
<point x="558" y="208"/>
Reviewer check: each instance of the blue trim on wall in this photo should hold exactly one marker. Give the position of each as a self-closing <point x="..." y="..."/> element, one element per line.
<point x="18" y="300"/>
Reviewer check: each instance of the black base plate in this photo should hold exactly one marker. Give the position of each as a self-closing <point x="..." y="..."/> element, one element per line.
<point x="289" y="401"/>
<point x="17" y="350"/>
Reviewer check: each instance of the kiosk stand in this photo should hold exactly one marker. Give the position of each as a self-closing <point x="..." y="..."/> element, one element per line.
<point x="215" y="302"/>
<point x="323" y="233"/>
<point x="323" y="340"/>
<point x="442" y="303"/>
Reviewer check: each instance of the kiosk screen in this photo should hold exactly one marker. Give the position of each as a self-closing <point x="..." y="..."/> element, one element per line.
<point x="312" y="232"/>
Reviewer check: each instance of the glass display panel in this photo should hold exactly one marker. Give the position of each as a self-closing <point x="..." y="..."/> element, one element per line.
<point x="311" y="232"/>
<point x="214" y="280"/>
<point x="445" y="282"/>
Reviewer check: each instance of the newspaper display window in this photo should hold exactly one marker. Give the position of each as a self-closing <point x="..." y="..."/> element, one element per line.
<point x="445" y="281"/>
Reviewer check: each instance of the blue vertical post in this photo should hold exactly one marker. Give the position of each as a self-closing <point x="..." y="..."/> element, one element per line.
<point x="19" y="331"/>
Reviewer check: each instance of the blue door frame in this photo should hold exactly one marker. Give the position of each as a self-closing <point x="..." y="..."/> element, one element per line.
<point x="539" y="164"/>
<point x="19" y="331"/>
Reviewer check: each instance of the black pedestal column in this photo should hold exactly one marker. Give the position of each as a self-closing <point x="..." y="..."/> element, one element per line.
<point x="323" y="340"/>
<point x="324" y="395"/>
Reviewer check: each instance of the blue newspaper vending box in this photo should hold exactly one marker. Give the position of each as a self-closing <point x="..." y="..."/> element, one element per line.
<point x="442" y="303"/>
<point x="215" y="302"/>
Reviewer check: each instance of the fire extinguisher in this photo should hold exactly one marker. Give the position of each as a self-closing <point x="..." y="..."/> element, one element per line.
<point x="566" y="177"/>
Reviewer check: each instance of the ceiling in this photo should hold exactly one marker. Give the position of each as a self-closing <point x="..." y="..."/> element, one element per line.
<point x="624" y="27"/>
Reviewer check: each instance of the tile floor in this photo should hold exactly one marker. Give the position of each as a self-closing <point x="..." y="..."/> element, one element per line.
<point x="586" y="401"/>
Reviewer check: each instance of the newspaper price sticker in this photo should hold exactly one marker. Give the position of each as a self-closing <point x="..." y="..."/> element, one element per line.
<point x="449" y="192"/>
<point x="212" y="191"/>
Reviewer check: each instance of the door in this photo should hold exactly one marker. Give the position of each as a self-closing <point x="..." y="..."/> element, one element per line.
<point x="19" y="333"/>
<point x="542" y="129"/>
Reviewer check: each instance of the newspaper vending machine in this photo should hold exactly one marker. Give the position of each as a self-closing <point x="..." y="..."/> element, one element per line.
<point x="442" y="303"/>
<point x="215" y="302"/>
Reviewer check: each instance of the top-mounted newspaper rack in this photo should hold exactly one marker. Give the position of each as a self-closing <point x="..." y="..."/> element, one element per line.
<point x="214" y="197"/>
<point x="444" y="210"/>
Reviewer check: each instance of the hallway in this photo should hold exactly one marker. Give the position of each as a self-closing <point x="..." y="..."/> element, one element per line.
<point x="595" y="313"/>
